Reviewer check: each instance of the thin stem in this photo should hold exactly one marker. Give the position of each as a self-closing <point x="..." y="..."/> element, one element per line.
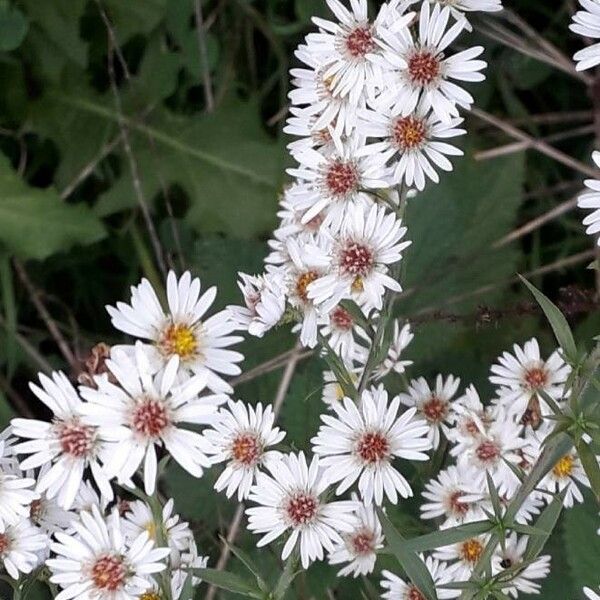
<point x="206" y="81"/>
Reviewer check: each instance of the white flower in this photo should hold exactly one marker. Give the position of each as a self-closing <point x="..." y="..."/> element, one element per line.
<point x="473" y="5"/>
<point x="360" y="258"/>
<point x="181" y="564"/>
<point x="398" y="589"/>
<point x="471" y="420"/>
<point x="264" y="297"/>
<point x="240" y="436"/>
<point x="454" y="496"/>
<point x="591" y="594"/>
<point x="463" y="556"/>
<point x="143" y="412"/>
<point x="361" y="442"/>
<point x="199" y="344"/>
<point x="586" y="23"/>
<point x="567" y="473"/>
<point x="524" y="375"/>
<point x="339" y="329"/>
<point x="330" y="183"/>
<point x="510" y="556"/>
<point x="412" y="144"/>
<point x="138" y="518"/>
<point x="333" y="392"/>
<point x="301" y="123"/>
<point x="67" y="443"/>
<point x="15" y="497"/>
<point x="290" y="498"/>
<point x="359" y="547"/>
<point x="346" y="48"/>
<point x="49" y="516"/>
<point x="591" y="199"/>
<point x="420" y="70"/>
<point x="97" y="562"/>
<point x="401" y="338"/>
<point x="19" y="545"/>
<point x="433" y="405"/>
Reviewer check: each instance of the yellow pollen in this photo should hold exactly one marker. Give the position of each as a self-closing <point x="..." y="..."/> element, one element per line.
<point x="149" y="596"/>
<point x="564" y="467"/>
<point x="179" y="339"/>
<point x="357" y="285"/>
<point x="471" y="550"/>
<point x="150" y="528"/>
<point x="302" y="283"/>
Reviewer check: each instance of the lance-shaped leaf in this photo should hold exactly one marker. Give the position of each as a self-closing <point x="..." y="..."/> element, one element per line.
<point x="339" y="370"/>
<point x="557" y="320"/>
<point x="247" y="561"/>
<point x="228" y="581"/>
<point x="413" y="566"/>
<point x="589" y="462"/>
<point x="546" y="522"/>
<point x="445" y="537"/>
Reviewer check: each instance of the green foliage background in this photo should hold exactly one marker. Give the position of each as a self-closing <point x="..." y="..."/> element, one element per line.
<point x="69" y="212"/>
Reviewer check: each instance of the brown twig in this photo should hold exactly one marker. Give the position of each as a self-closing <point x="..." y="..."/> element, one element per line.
<point x="206" y="81"/>
<point x="51" y="325"/>
<point x="268" y="366"/>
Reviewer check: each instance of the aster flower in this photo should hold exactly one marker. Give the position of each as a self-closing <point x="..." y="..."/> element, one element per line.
<point x="567" y="474"/>
<point x="419" y="69"/>
<point x="341" y="330"/>
<point x="471" y="420"/>
<point x="15" y="497"/>
<point x="66" y="443"/>
<point x="586" y="23"/>
<point x="290" y="498"/>
<point x="524" y="375"/>
<point x="97" y="561"/>
<point x="359" y="259"/>
<point x="181" y="331"/>
<point x="473" y="5"/>
<point x="397" y="588"/>
<point x="359" y="547"/>
<point x="454" y="496"/>
<point x="361" y="442"/>
<point x="462" y="556"/>
<point x="181" y="564"/>
<point x="301" y="124"/>
<point x="394" y="361"/>
<point x="510" y="556"/>
<point x="591" y="199"/>
<point x="240" y="436"/>
<point x="333" y="392"/>
<point x="330" y="183"/>
<point x="49" y="516"/>
<point x="146" y="411"/>
<point x="412" y="144"/>
<point x="433" y="405"/>
<point x="264" y="299"/>
<point x="19" y="547"/>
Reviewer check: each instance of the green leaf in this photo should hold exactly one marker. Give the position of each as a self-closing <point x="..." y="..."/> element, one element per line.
<point x="287" y="576"/>
<point x="228" y="581"/>
<point x="545" y="522"/>
<point x="13" y="27"/>
<point x="35" y="223"/>
<point x="445" y="537"/>
<point x="131" y="18"/>
<point x="561" y="328"/>
<point x="249" y="563"/>
<point x="413" y="566"/>
<point x="581" y="547"/>
<point x="589" y="462"/>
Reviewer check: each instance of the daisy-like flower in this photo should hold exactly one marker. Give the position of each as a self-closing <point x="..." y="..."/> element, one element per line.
<point x="347" y="47"/>
<point x="567" y="474"/>
<point x="264" y="299"/>
<point x="473" y="5"/>
<point x="591" y="199"/>
<point x="490" y="452"/>
<point x="454" y="496"/>
<point x="586" y="23"/>
<point x="98" y="562"/>
<point x="240" y="437"/>
<point x="301" y="124"/>
<point x="591" y="594"/>
<point x="524" y="375"/>
<point x="359" y="547"/>
<point x="433" y="405"/>
<point x="15" y="497"/>
<point x="19" y="547"/>
<point x="66" y="443"/>
<point x="394" y="361"/>
<point x="471" y="420"/>
<point x="333" y="392"/>
<point x="330" y="183"/>
<point x="462" y="556"/>
<point x="399" y="589"/>
<point x="146" y="411"/>
<point x="360" y="258"/>
<point x="361" y="443"/>
<point x="138" y="518"/>
<point x="181" y="563"/>
<point x="510" y="556"/>
<point x="420" y="71"/>
<point x="199" y="344"/>
<point x="412" y="144"/>
<point x="290" y="498"/>
<point x="341" y="330"/>
<point x="49" y="516"/>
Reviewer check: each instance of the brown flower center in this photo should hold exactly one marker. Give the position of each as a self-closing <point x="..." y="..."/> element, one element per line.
<point x="435" y="410"/>
<point x="536" y="378"/>
<point x="341" y="178"/>
<point x="488" y="451"/>
<point x="356" y="259"/>
<point x="423" y="67"/>
<point x="302" y="283"/>
<point x="109" y="573"/>
<point x="408" y="132"/>
<point x="372" y="447"/>
<point x="301" y="508"/>
<point x="363" y="542"/>
<point x="359" y="42"/>
<point x="471" y="550"/>
<point x="150" y="418"/>
<point x="246" y="449"/>
<point x="75" y="439"/>
<point x="341" y="318"/>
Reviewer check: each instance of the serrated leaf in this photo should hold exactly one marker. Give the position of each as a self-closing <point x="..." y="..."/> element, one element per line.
<point x="413" y="566"/>
<point x="558" y="322"/>
<point x="35" y="223"/>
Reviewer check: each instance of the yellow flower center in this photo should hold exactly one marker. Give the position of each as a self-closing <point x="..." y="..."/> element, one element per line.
<point x="149" y="596"/>
<point x="179" y="339"/>
<point x="471" y="550"/>
<point x="357" y="285"/>
<point x="151" y="530"/>
<point x="564" y="467"/>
